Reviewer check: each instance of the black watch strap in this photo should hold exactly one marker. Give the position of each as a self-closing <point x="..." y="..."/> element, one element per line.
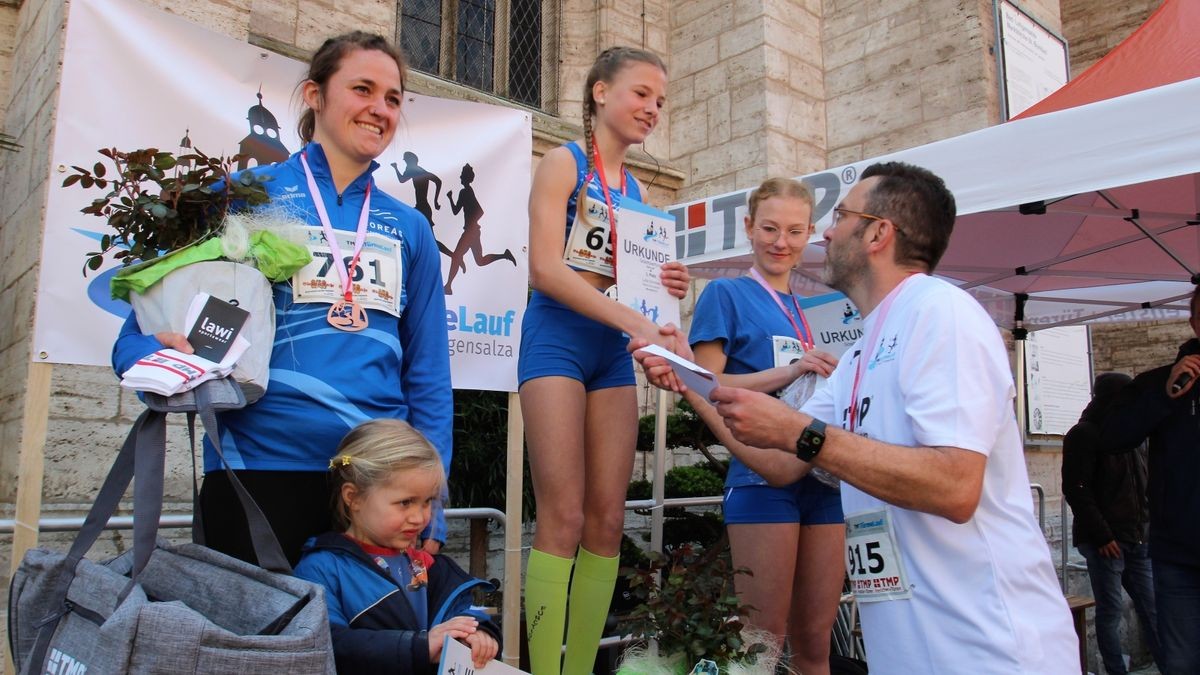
<point x="811" y="440"/>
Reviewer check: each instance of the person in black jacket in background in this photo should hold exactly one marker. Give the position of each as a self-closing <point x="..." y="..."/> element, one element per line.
<point x="1107" y="494"/>
<point x="1162" y="405"/>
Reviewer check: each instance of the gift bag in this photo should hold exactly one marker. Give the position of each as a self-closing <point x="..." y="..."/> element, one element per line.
<point x="163" y="307"/>
<point x="162" y="608"/>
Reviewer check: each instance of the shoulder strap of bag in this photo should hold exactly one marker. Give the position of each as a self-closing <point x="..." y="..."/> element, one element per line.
<point x="266" y="544"/>
<point x="205" y="401"/>
<point x="114" y="486"/>
<point x="141" y="437"/>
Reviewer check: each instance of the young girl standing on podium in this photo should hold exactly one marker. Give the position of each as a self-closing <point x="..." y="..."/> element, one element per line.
<point x="576" y="378"/>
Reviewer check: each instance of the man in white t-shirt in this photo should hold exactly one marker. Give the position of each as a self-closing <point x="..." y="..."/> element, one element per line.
<point x="946" y="560"/>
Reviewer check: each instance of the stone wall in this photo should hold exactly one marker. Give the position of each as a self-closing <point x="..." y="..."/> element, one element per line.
<point x="900" y="74"/>
<point x="34" y="34"/>
<point x="746" y="92"/>
<point x="1132" y="348"/>
<point x="1091" y="34"/>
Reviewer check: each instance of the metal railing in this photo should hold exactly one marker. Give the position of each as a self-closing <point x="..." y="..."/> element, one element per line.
<point x="174" y="521"/>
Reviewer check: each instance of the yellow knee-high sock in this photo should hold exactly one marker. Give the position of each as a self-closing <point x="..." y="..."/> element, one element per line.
<point x="546" y="580"/>
<point x="591" y="593"/>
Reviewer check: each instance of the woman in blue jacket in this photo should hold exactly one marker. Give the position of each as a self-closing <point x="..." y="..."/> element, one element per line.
<point x="360" y="332"/>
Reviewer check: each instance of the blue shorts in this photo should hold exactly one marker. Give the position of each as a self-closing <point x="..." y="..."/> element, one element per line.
<point x="558" y="341"/>
<point x="808" y="501"/>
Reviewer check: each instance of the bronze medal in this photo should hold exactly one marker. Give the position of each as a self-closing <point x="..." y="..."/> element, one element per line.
<point x="347" y="316"/>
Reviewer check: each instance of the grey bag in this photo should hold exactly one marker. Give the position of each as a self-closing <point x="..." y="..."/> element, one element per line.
<point x="162" y="608"/>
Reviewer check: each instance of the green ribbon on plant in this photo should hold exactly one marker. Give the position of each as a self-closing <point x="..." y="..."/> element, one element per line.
<point x="277" y="258"/>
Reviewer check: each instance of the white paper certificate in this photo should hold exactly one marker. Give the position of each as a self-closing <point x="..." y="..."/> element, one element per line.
<point x="643" y="245"/>
<point x="693" y="376"/>
<point x="456" y="660"/>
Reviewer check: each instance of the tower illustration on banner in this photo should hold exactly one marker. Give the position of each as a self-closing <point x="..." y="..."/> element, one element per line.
<point x="262" y="144"/>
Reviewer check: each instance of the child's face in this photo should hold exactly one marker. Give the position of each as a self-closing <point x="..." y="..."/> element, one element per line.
<point x="632" y="101"/>
<point x="392" y="513"/>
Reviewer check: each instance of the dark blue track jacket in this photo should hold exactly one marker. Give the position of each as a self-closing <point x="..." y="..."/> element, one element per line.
<point x="373" y="624"/>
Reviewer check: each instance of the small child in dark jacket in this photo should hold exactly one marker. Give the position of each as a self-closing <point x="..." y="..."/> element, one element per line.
<point x="391" y="604"/>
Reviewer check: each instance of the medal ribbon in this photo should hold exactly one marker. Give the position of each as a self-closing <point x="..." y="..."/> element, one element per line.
<point x="345" y="271"/>
<point x="869" y="347"/>
<point x="612" y="213"/>
<point x="805" y="336"/>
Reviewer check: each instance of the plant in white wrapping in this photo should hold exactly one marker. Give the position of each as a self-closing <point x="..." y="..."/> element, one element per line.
<point x="186" y="225"/>
<point x="689" y="608"/>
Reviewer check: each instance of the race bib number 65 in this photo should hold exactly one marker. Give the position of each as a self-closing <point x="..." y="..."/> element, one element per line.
<point x="589" y="245"/>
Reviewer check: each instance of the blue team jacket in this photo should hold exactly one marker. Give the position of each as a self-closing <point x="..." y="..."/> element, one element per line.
<point x="370" y="615"/>
<point x="324" y="381"/>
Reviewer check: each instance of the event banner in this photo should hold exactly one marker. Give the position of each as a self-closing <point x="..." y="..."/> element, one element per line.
<point x="136" y="77"/>
<point x="712" y="228"/>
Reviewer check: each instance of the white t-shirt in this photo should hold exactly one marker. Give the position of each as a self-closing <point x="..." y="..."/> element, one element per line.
<point x="984" y="597"/>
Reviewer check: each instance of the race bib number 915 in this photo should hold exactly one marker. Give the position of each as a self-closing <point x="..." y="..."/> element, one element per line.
<point x="873" y="559"/>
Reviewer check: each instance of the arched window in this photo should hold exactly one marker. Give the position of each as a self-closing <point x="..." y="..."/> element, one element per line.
<point x="503" y="47"/>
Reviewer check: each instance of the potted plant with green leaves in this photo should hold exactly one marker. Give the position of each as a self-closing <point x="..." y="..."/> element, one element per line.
<point x="688" y="619"/>
<point x="184" y="224"/>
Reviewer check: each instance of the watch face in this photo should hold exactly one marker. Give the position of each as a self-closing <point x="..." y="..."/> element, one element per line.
<point x="810" y="441"/>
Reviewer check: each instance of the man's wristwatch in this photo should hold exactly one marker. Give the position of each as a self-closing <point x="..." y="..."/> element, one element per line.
<point x="811" y="440"/>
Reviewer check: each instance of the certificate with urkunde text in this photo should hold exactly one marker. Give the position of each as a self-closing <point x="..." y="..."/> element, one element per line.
<point x="644" y="244"/>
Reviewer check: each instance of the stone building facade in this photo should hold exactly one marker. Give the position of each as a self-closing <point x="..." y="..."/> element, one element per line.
<point x="757" y="88"/>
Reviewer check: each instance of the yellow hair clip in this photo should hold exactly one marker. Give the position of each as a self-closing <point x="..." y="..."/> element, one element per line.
<point x="343" y="460"/>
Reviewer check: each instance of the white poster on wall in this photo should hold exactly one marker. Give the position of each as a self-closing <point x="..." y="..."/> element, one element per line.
<point x="1035" y="59"/>
<point x="1058" y="378"/>
<point x="136" y="77"/>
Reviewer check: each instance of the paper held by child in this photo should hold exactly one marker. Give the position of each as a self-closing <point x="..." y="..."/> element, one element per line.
<point x="169" y="371"/>
<point x="456" y="660"/>
<point x="693" y="376"/>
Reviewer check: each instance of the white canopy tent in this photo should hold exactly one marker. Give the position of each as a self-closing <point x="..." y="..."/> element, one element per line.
<point x="1089" y="211"/>
<point x="1084" y="210"/>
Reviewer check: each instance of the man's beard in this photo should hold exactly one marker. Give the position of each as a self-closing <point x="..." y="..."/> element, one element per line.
<point x="843" y="265"/>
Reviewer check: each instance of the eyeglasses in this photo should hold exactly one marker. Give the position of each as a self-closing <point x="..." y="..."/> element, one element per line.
<point x="771" y="234"/>
<point x="839" y="213"/>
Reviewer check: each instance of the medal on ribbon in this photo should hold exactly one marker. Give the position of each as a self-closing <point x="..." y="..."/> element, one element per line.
<point x="345" y="314"/>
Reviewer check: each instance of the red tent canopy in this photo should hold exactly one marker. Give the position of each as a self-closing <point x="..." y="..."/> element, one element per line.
<point x="1159" y="52"/>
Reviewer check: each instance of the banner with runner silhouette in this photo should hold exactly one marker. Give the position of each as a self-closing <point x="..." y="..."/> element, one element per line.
<point x="464" y="166"/>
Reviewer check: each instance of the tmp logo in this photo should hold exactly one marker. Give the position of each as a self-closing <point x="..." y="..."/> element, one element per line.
<point x="61" y="663"/>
